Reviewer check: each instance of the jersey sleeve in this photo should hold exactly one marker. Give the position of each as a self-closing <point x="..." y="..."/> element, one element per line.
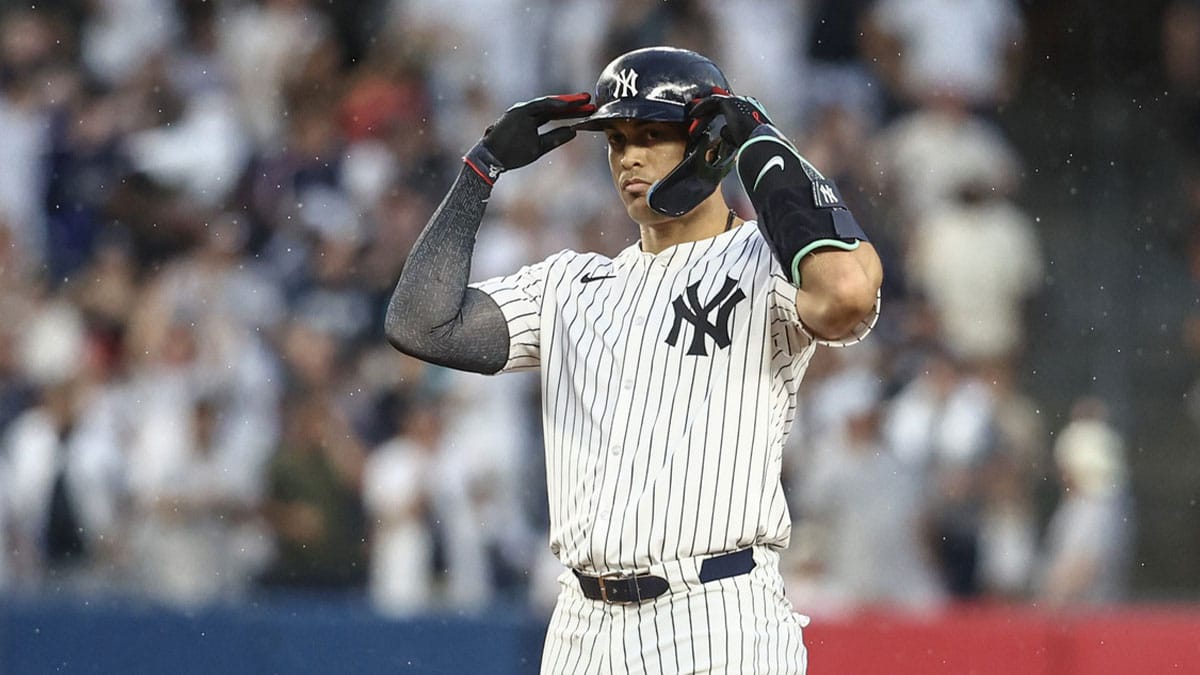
<point x="788" y="334"/>
<point x="519" y="297"/>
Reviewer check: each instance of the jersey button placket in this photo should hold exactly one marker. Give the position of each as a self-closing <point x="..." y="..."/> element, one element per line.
<point x="622" y="388"/>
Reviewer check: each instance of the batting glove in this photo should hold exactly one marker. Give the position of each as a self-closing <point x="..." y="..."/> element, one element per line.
<point x="742" y="116"/>
<point x="513" y="141"/>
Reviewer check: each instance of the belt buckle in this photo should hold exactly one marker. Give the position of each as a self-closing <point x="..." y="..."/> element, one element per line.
<point x="618" y="576"/>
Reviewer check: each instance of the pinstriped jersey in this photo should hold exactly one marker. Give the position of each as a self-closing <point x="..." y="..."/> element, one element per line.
<point x="669" y="386"/>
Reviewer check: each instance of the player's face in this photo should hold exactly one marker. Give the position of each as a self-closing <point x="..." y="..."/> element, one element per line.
<point x="640" y="153"/>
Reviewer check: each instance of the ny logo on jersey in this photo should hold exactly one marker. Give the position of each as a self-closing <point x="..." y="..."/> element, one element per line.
<point x="626" y="83"/>
<point x="689" y="308"/>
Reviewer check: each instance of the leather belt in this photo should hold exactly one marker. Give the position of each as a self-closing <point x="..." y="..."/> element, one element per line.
<point x="618" y="589"/>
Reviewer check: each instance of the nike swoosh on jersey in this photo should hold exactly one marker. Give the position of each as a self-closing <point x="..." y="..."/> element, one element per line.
<point x="776" y="161"/>
<point x="588" y="278"/>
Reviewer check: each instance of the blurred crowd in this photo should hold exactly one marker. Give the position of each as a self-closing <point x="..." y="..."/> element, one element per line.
<point x="205" y="204"/>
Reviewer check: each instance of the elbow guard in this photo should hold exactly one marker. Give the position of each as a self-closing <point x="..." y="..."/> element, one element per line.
<point x="799" y="210"/>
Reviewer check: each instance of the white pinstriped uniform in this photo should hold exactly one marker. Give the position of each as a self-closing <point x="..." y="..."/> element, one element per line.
<point x="656" y="457"/>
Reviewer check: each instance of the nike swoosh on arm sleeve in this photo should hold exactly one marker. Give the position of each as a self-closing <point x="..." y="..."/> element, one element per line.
<point x="775" y="162"/>
<point x="432" y="314"/>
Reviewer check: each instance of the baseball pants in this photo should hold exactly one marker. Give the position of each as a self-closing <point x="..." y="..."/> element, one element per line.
<point x="738" y="625"/>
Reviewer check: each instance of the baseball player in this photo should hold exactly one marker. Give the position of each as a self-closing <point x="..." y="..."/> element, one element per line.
<point x="669" y="372"/>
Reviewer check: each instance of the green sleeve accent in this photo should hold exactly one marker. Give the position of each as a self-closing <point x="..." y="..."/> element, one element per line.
<point x="767" y="137"/>
<point x="820" y="243"/>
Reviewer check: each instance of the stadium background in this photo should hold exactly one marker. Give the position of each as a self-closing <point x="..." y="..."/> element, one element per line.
<point x="261" y="168"/>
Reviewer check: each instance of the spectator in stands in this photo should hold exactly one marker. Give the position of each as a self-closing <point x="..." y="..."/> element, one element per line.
<point x="314" y="501"/>
<point x="35" y="75"/>
<point x="276" y="180"/>
<point x="1011" y="473"/>
<point x="919" y="159"/>
<point x="65" y="469"/>
<point x="497" y="45"/>
<point x="195" y="531"/>
<point x="871" y="505"/>
<point x="836" y="76"/>
<point x="107" y="291"/>
<point x="1089" y="542"/>
<point x="328" y="292"/>
<point x="199" y="149"/>
<point x="438" y="507"/>
<point x="117" y="39"/>
<point x="82" y="158"/>
<point x="977" y="261"/>
<point x="407" y="535"/>
<point x="943" y="421"/>
<point x="265" y="44"/>
<point x="963" y="49"/>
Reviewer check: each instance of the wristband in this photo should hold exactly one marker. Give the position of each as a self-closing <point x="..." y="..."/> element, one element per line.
<point x="483" y="162"/>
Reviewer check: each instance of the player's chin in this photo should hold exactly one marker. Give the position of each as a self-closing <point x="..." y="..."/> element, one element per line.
<point x="640" y="211"/>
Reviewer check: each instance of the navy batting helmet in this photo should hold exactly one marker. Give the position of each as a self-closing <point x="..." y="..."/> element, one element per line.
<point x="660" y="84"/>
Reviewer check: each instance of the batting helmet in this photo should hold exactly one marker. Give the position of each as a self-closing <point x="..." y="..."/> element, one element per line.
<point x="660" y="84"/>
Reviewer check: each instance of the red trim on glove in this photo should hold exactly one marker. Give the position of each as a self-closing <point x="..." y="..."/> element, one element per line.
<point x="573" y="98"/>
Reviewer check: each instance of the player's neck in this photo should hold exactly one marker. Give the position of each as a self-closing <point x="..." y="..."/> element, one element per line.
<point x="710" y="218"/>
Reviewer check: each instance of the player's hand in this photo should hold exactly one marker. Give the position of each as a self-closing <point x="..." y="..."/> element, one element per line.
<point x="513" y="141"/>
<point x="742" y="116"/>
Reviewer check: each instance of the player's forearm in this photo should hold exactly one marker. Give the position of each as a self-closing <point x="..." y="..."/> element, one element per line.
<point x="840" y="289"/>
<point x="432" y="314"/>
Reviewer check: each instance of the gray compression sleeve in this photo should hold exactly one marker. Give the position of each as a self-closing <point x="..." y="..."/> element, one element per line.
<point x="433" y="315"/>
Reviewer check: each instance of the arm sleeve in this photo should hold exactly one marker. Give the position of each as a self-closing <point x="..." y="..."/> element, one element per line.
<point x="799" y="210"/>
<point x="433" y="315"/>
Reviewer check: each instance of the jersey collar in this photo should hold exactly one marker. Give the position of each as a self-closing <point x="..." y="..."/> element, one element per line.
<point x="680" y="254"/>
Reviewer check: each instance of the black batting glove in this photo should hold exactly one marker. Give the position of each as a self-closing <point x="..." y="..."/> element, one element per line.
<point x="742" y="116"/>
<point x="513" y="141"/>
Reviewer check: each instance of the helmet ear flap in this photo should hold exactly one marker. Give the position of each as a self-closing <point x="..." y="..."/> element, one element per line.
<point x="707" y="159"/>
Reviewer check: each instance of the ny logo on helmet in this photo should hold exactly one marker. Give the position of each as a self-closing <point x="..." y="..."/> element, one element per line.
<point x="626" y="83"/>
<point x="689" y="308"/>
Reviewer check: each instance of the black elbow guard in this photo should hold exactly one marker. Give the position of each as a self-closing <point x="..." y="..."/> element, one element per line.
<point x="799" y="210"/>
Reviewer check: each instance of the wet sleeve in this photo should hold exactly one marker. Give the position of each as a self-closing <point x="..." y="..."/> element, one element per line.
<point x="433" y="314"/>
